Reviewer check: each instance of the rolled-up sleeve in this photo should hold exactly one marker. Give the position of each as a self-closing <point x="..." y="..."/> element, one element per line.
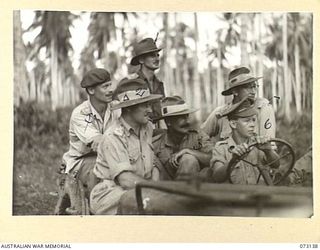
<point x="218" y="155"/>
<point x="114" y="156"/>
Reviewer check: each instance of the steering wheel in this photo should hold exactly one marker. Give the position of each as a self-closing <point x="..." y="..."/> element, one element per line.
<point x="271" y="176"/>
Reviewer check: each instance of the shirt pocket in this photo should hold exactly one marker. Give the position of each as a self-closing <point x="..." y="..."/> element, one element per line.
<point x="134" y="154"/>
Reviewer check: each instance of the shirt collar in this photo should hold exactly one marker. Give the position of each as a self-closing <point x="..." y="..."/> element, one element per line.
<point x="141" y="75"/>
<point x="129" y="130"/>
<point x="94" y="112"/>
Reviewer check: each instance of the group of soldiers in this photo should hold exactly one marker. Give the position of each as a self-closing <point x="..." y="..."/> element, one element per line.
<point x="132" y="133"/>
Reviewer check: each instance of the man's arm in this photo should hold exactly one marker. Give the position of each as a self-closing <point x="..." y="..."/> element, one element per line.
<point x="128" y="180"/>
<point x="202" y="157"/>
<point x="211" y="125"/>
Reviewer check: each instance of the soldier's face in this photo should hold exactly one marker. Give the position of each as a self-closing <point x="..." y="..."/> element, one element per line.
<point x="141" y="113"/>
<point x="151" y="60"/>
<point x="249" y="90"/>
<point x="179" y="124"/>
<point x="103" y="92"/>
<point x="245" y="127"/>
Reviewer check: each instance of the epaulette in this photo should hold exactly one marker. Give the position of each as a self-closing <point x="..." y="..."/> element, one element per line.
<point x="261" y="102"/>
<point x="85" y="111"/>
<point x="119" y="131"/>
<point x="132" y="76"/>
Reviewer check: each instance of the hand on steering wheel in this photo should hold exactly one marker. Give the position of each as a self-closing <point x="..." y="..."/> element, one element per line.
<point x="286" y="159"/>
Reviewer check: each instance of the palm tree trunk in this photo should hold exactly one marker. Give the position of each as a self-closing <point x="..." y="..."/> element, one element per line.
<point x="303" y="81"/>
<point x="196" y="83"/>
<point x="260" y="56"/>
<point x="54" y="75"/>
<point x="20" y="77"/>
<point x="220" y="83"/>
<point x="207" y="90"/>
<point x="186" y="81"/>
<point x="243" y="40"/>
<point x="298" y="77"/>
<point x="166" y="67"/>
<point x="287" y="87"/>
<point x="274" y="88"/>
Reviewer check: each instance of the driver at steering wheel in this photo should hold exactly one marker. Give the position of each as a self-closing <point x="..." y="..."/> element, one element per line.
<point x="243" y="121"/>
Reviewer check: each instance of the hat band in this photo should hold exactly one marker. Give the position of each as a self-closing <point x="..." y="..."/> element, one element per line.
<point x="240" y="78"/>
<point x="133" y="95"/>
<point x="174" y="108"/>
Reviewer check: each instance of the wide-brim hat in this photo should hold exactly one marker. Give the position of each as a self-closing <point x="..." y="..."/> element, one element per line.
<point x="130" y="92"/>
<point x="238" y="77"/>
<point x="245" y="108"/>
<point x="143" y="47"/>
<point x="174" y="106"/>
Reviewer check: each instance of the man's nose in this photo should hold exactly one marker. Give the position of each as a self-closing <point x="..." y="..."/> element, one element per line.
<point x="149" y="108"/>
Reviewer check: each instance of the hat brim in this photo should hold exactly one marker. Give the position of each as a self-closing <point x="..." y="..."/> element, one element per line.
<point x="185" y="112"/>
<point x="135" y="59"/>
<point x="129" y="103"/>
<point x="229" y="90"/>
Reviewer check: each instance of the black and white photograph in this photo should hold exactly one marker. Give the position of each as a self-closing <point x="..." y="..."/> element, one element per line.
<point x="163" y="113"/>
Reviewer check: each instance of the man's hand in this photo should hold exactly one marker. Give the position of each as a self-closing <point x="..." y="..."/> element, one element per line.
<point x="95" y="142"/>
<point x="241" y="149"/>
<point x="263" y="143"/>
<point x="174" y="160"/>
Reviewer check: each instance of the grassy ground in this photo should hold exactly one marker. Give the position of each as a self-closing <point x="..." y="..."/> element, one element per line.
<point x="41" y="138"/>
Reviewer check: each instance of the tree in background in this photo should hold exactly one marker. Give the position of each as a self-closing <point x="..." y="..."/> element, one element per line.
<point x="21" y="81"/>
<point x="191" y="67"/>
<point x="55" y="38"/>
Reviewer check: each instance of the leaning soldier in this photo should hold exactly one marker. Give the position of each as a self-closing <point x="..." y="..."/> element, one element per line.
<point x="241" y="84"/>
<point x="242" y="121"/>
<point x="125" y="154"/>
<point x="146" y="56"/>
<point x="88" y="122"/>
<point x="181" y="151"/>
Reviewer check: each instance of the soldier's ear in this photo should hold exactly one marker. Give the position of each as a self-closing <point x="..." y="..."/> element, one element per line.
<point x="141" y="59"/>
<point x="90" y="90"/>
<point x="233" y="124"/>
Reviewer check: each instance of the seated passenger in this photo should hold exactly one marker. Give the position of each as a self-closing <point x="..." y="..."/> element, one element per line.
<point x="88" y="122"/>
<point x="180" y="150"/>
<point x="241" y="85"/>
<point x="242" y="120"/>
<point x="125" y="154"/>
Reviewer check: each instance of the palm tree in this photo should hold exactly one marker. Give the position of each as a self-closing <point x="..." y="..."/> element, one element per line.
<point x="55" y="38"/>
<point x="19" y="54"/>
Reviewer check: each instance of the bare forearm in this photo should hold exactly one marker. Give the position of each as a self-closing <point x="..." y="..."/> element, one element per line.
<point x="128" y="180"/>
<point x="219" y="172"/>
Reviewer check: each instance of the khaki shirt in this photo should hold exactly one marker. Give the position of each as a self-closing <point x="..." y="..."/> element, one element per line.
<point x="243" y="173"/>
<point x="121" y="149"/>
<point x="219" y="128"/>
<point x="155" y="88"/>
<point x="86" y="125"/>
<point x="164" y="148"/>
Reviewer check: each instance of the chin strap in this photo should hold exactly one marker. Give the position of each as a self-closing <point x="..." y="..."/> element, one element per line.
<point x="155" y="40"/>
